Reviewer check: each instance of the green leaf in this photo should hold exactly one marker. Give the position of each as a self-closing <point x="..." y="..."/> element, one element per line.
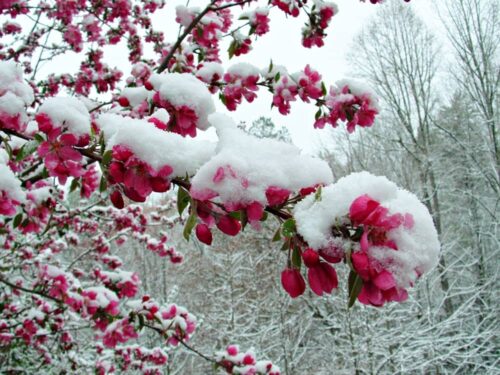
<point x="223" y="99"/>
<point x="183" y="199"/>
<point x="264" y="217"/>
<point x="277" y="77"/>
<point x="103" y="185"/>
<point x="27" y="149"/>
<point x="318" y="114"/>
<point x="270" y="66"/>
<point x="141" y="321"/>
<point x="39" y="138"/>
<point x="25" y="222"/>
<point x="243" y="219"/>
<point x="277" y="236"/>
<point x="355" y="283"/>
<point x="74" y="185"/>
<point x="317" y="195"/>
<point x="323" y="88"/>
<point x="106" y="157"/>
<point x="17" y="220"/>
<point x="231" y="49"/>
<point x="190" y="223"/>
<point x="236" y="215"/>
<point x="288" y="228"/>
<point x="286" y="245"/>
<point x="296" y="258"/>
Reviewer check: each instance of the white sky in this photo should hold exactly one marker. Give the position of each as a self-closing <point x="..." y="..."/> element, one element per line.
<point x="283" y="45"/>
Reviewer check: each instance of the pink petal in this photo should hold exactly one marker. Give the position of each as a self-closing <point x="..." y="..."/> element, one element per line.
<point x="293" y="282"/>
<point x="384" y="280"/>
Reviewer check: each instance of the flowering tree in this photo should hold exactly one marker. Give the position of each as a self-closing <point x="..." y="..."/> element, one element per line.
<point x="116" y="141"/>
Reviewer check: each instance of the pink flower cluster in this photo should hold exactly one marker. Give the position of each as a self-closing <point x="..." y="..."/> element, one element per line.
<point x="148" y="361"/>
<point x="174" y="322"/>
<point x="259" y="21"/>
<point x="137" y="178"/>
<point x="117" y="332"/>
<point x="357" y="108"/>
<point x="213" y="215"/>
<point x="60" y="157"/>
<point x="182" y="120"/>
<point x="239" y="85"/>
<point x="235" y="361"/>
<point x="319" y="19"/>
<point x="321" y="275"/>
<point x="125" y="284"/>
<point x="208" y="31"/>
<point x="306" y="84"/>
<point x="290" y="7"/>
<point x="39" y="203"/>
<point x="379" y="285"/>
<point x="7" y="204"/>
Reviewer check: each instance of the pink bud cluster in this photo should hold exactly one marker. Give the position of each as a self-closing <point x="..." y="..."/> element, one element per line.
<point x="356" y="107"/>
<point x="241" y="82"/>
<point x="306" y="84"/>
<point x="173" y="322"/>
<point x="213" y="215"/>
<point x="368" y="217"/>
<point x="319" y="19"/>
<point x="321" y="275"/>
<point x="136" y="177"/>
<point x="235" y="361"/>
<point x="138" y="358"/>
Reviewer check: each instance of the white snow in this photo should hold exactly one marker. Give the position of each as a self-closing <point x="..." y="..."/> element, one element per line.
<point x="136" y="95"/>
<point x="68" y="112"/>
<point x="260" y="162"/>
<point x="207" y="71"/>
<point x="359" y="89"/>
<point x="10" y="184"/>
<point x="11" y="79"/>
<point x="154" y="146"/>
<point x="243" y="70"/>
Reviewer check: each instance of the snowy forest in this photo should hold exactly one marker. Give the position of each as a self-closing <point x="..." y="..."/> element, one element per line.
<point x="133" y="240"/>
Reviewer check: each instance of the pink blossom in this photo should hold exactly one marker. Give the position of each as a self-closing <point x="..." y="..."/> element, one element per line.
<point x="204" y="234"/>
<point x="321" y="275"/>
<point x="356" y="109"/>
<point x="229" y="225"/>
<point x="239" y="87"/>
<point x="138" y="178"/>
<point x="182" y="120"/>
<point x="90" y="181"/>
<point x="309" y="84"/>
<point x="285" y="91"/>
<point x="119" y="332"/>
<point x="73" y="37"/>
<point x="260" y="21"/>
<point x="7" y="204"/>
<point x="293" y="282"/>
<point x="379" y="285"/>
<point x="276" y="195"/>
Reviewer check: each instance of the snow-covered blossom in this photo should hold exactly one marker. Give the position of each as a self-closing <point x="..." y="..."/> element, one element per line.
<point x="186" y="99"/>
<point x="398" y="242"/>
<point x="350" y="102"/>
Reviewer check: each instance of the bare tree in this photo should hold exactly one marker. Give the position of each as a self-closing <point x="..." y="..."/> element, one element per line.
<point x="474" y="33"/>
